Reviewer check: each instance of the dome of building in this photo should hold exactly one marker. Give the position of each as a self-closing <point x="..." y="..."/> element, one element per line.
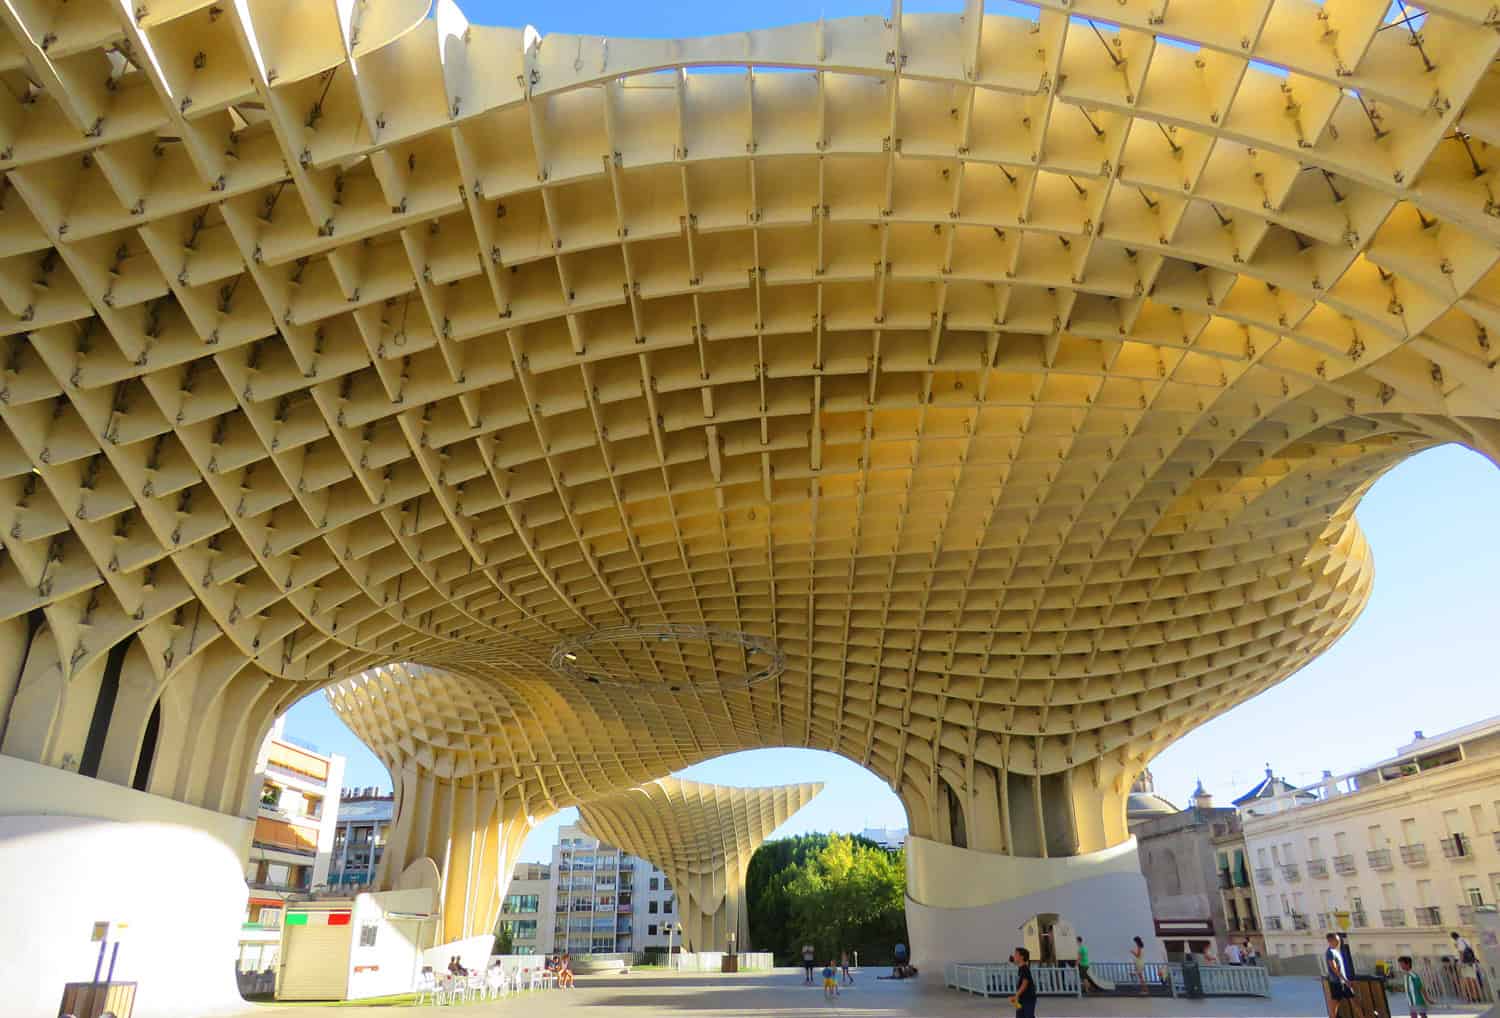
<point x="1145" y="805"/>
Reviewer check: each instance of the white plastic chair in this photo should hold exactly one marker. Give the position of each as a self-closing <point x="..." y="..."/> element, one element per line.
<point x="495" y="983"/>
<point x="427" y="985"/>
<point x="474" y="985"/>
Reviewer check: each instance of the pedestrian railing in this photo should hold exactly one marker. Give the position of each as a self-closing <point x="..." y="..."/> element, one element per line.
<point x="1227" y="981"/>
<point x="1000" y="980"/>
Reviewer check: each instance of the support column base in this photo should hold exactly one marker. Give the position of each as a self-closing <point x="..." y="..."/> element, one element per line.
<point x="968" y="906"/>
<point x="75" y="851"/>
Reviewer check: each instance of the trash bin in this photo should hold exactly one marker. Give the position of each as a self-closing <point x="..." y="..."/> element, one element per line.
<point x="1192" y="977"/>
<point x="91" y="1000"/>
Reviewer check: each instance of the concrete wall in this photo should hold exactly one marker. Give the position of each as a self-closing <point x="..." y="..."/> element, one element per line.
<point x="964" y="905"/>
<point x="75" y="851"/>
<point x="390" y="965"/>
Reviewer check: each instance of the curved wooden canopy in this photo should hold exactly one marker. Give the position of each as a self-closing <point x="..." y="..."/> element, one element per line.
<point x="1016" y="377"/>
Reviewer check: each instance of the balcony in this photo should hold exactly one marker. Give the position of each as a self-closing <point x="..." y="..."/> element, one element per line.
<point x="1326" y="921"/>
<point x="1456" y="846"/>
<point x="1299" y="921"/>
<point x="1466" y="914"/>
<point x="1392" y="917"/>
<point x="1429" y="915"/>
<point x="1291" y="872"/>
<point x="1343" y="865"/>
<point x="1317" y="868"/>
<point x="1359" y="920"/>
<point x="1379" y="859"/>
<point x="1414" y="855"/>
<point x="1263" y="874"/>
<point x="1273" y="922"/>
<point x="1232" y="924"/>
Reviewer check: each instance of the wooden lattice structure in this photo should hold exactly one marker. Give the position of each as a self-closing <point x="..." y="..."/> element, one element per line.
<point x="1014" y="377"/>
<point x="702" y="837"/>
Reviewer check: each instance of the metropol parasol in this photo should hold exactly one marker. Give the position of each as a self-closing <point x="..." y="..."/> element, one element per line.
<point x="982" y="397"/>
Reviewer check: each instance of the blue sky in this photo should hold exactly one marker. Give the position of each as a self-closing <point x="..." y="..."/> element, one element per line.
<point x="1423" y="655"/>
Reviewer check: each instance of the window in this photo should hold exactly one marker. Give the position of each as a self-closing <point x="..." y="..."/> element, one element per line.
<point x="651" y="930"/>
<point x="520" y="929"/>
<point x="312" y="806"/>
<point x="1340" y="843"/>
<point x="270" y="795"/>
<point x="666" y="906"/>
<point x="1260" y="857"/>
<point x="367" y="933"/>
<point x="1472" y="893"/>
<point x="654" y="885"/>
<point x="1376" y="836"/>
<point x="522" y="903"/>
<point x="651" y="908"/>
<point x="666" y="884"/>
<point x="1315" y="847"/>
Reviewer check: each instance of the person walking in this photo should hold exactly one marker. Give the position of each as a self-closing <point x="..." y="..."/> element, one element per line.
<point x="1340" y="989"/>
<point x="1468" y="968"/>
<point x="1233" y="955"/>
<point x="1084" y="982"/>
<point x="1416" y="993"/>
<point x="844" y="968"/>
<point x="1138" y="959"/>
<point x="807" y="964"/>
<point x="1024" y="999"/>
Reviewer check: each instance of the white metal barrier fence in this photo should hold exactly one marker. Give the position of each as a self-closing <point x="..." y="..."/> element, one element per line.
<point x="1064" y="981"/>
<point x="1442" y="978"/>
<point x="1001" y="980"/>
<point x="713" y="961"/>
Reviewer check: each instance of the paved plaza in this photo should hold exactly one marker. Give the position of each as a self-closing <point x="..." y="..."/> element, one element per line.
<point x="780" y="994"/>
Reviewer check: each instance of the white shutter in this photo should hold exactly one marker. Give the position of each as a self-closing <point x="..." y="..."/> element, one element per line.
<point x="315" y="963"/>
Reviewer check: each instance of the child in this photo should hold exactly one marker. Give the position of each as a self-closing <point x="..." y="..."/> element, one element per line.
<point x="1024" y="999"/>
<point x="844" y="968"/>
<point x="830" y="984"/>
<point x="1416" y="996"/>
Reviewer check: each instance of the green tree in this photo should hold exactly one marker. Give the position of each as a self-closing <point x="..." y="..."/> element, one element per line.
<point x="835" y="892"/>
<point x="504" y="941"/>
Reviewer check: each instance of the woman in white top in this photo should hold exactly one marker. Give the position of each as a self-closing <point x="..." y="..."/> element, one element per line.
<point x="1138" y="959"/>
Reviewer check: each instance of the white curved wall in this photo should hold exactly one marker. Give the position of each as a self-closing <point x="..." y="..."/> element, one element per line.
<point x="75" y="851"/>
<point x="964" y="905"/>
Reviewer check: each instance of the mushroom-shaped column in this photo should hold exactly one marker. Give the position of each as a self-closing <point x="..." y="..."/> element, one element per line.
<point x="702" y="836"/>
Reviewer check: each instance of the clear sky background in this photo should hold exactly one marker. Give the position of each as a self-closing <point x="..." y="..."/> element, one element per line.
<point x="1423" y="655"/>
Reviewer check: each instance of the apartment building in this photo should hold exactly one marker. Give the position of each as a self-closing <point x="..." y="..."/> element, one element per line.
<point x="360" y="832"/>
<point x="1236" y="892"/>
<point x="529" y="910"/>
<point x="290" y="851"/>
<point x="1402" y="851"/>
<point x="608" y="901"/>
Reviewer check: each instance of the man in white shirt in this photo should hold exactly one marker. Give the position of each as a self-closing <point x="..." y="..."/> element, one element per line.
<point x="1233" y="955"/>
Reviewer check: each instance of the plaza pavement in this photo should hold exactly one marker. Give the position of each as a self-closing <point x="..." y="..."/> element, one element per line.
<point x="780" y="994"/>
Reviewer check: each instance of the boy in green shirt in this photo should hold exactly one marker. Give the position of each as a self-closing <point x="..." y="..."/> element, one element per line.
<point x="1416" y="996"/>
